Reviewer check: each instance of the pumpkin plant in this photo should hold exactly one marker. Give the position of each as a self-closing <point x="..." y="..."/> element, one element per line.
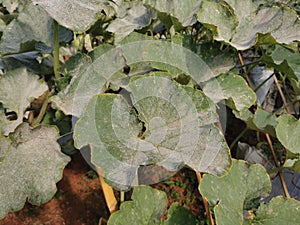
<point x="149" y="84"/>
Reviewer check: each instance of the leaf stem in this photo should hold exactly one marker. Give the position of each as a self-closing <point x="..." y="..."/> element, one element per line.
<point x="238" y="138"/>
<point x="244" y="69"/>
<point x="108" y="192"/>
<point x="43" y="110"/>
<point x="282" y="95"/>
<point x="56" y="51"/>
<point x="206" y="205"/>
<point x="122" y="196"/>
<point x="286" y="192"/>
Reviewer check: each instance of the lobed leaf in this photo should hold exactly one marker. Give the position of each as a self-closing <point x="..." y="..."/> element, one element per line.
<point x="136" y="17"/>
<point x="231" y="87"/>
<point x="95" y="77"/>
<point x="184" y="11"/>
<point x="239" y="22"/>
<point x="278" y="211"/>
<point x="178" y="130"/>
<point x="30" y="165"/>
<point x="25" y="28"/>
<point x="147" y="207"/>
<point x="19" y="88"/>
<point x="76" y="15"/>
<point x="240" y="189"/>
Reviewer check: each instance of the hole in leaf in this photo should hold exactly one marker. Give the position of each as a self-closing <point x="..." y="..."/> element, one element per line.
<point x="11" y="116"/>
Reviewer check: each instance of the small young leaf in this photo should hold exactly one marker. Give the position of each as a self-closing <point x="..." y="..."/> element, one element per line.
<point x="18" y="90"/>
<point x="147" y="207"/>
<point x="288" y="132"/>
<point x="240" y="189"/>
<point x="30" y="165"/>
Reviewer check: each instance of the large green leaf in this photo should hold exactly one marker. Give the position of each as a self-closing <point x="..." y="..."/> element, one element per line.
<point x="184" y="11"/>
<point x="239" y="22"/>
<point x="18" y="90"/>
<point x="278" y="211"/>
<point x="135" y="18"/>
<point x="178" y="130"/>
<point x="147" y="207"/>
<point x="233" y="88"/>
<point x="96" y="76"/>
<point x="77" y="15"/>
<point x="32" y="24"/>
<point x="30" y="165"/>
<point x="240" y="189"/>
<point x="288" y="132"/>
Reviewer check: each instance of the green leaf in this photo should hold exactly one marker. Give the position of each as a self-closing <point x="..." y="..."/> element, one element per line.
<point x="184" y="11"/>
<point x="86" y="81"/>
<point x="18" y="90"/>
<point x="233" y="88"/>
<point x="240" y="189"/>
<point x="30" y="165"/>
<point x="179" y="215"/>
<point x="239" y="22"/>
<point x="95" y="77"/>
<point x="177" y="122"/>
<point x="284" y="60"/>
<point x="135" y="18"/>
<point x="278" y="211"/>
<point x="265" y="121"/>
<point x="27" y="28"/>
<point x="147" y="207"/>
<point x="77" y="15"/>
<point x="292" y="161"/>
<point x="288" y="130"/>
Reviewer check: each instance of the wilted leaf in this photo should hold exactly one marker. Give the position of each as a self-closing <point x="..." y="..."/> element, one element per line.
<point x="288" y="132"/>
<point x="30" y="165"/>
<point x="239" y="22"/>
<point x="184" y="11"/>
<point x="178" y="130"/>
<point x="147" y="207"/>
<point x="240" y="189"/>
<point x="77" y="15"/>
<point x="232" y="88"/>
<point x="18" y="90"/>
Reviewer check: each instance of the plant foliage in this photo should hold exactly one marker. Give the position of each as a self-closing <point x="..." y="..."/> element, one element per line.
<point x="148" y="81"/>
